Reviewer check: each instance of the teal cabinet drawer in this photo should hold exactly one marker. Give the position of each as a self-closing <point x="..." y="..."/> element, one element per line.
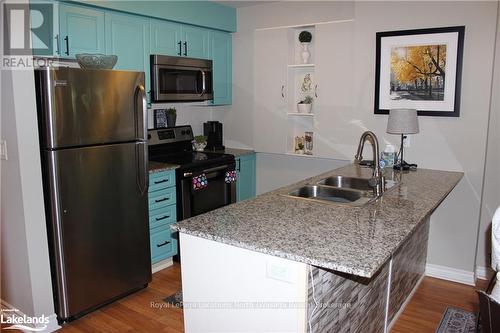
<point x="161" y="180"/>
<point x="162" y="198"/>
<point x="162" y="215"/>
<point x="162" y="245"/>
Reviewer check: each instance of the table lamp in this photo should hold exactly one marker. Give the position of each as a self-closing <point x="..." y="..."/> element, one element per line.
<point x="402" y="121"/>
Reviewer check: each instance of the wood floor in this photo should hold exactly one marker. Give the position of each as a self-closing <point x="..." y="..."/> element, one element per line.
<point x="137" y="312"/>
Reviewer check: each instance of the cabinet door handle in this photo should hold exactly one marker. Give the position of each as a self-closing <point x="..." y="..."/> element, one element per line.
<point x="161" y="181"/>
<point x="162" y="244"/>
<point x="239" y="165"/>
<point x="185" y="48"/>
<point x="66" y="39"/>
<point x="162" y="217"/>
<point x="57" y="44"/>
<point x="316" y="91"/>
<point x="180" y="48"/>
<point x="282" y="91"/>
<point x="161" y="200"/>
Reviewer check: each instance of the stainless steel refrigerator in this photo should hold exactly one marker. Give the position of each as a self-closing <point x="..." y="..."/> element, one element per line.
<point x="93" y="139"/>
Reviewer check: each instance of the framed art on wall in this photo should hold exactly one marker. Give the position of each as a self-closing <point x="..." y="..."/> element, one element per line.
<point x="419" y="69"/>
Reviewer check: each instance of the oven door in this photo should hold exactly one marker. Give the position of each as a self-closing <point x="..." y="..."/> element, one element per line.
<point x="218" y="193"/>
<point x="180" y="83"/>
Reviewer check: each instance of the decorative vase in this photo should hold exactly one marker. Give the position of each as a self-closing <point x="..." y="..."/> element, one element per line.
<point x="171" y="119"/>
<point x="305" y="53"/>
<point x="304" y="108"/>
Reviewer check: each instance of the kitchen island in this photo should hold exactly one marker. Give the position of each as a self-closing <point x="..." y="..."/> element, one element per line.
<point x="277" y="263"/>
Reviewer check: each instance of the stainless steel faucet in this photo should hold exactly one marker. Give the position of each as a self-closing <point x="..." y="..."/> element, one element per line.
<point x="377" y="180"/>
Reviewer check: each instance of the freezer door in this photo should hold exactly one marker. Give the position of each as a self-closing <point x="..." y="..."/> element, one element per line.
<point x="98" y="224"/>
<point x="79" y="107"/>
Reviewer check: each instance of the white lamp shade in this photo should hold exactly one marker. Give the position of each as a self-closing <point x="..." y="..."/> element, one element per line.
<point x="402" y="121"/>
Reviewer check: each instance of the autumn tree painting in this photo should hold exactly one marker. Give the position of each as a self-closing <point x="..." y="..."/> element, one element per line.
<point x="418" y="72"/>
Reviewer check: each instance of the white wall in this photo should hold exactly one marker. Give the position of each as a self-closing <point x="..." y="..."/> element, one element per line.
<point x="26" y="281"/>
<point x="188" y="114"/>
<point x="491" y="190"/>
<point x="276" y="170"/>
<point x="443" y="143"/>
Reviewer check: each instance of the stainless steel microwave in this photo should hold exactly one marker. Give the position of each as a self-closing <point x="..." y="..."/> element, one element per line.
<point x="176" y="79"/>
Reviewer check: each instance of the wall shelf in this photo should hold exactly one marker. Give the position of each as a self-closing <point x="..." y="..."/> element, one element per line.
<point x="300" y="65"/>
<point x="300" y="114"/>
<point x="300" y="155"/>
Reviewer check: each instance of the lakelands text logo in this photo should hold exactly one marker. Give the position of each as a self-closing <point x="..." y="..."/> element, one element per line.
<point x="22" y="322"/>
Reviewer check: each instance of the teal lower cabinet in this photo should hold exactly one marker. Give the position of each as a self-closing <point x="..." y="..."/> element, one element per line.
<point x="245" y="184"/>
<point x="162" y="213"/>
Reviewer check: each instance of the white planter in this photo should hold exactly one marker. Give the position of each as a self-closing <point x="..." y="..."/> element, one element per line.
<point x="199" y="146"/>
<point x="304" y="108"/>
<point x="305" y="53"/>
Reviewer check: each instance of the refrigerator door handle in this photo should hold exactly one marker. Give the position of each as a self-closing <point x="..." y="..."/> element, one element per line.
<point x="56" y="212"/>
<point x="141" y="152"/>
<point x="142" y="127"/>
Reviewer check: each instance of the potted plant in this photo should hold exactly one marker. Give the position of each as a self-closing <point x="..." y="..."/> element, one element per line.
<point x="305" y="105"/>
<point x="300" y="149"/>
<point x="305" y="38"/>
<point x="171" y="116"/>
<point x="199" y="142"/>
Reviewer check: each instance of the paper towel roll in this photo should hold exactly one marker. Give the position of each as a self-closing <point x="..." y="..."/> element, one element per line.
<point x="495" y="241"/>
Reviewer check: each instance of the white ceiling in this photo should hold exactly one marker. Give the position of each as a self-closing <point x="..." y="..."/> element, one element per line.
<point x="242" y="3"/>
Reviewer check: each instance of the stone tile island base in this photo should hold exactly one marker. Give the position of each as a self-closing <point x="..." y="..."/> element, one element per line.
<point x="229" y="289"/>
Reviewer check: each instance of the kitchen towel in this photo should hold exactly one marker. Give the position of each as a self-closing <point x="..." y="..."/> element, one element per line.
<point x="230" y="177"/>
<point x="199" y="182"/>
<point x="495" y="255"/>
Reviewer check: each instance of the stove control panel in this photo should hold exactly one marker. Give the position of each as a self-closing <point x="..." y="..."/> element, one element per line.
<point x="159" y="136"/>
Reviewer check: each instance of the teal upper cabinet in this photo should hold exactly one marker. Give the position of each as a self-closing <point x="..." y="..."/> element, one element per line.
<point x="201" y="13"/>
<point x="246" y="177"/>
<point x="166" y="38"/>
<point x="194" y="42"/>
<point x="81" y="30"/>
<point x="127" y="36"/>
<point x="221" y="54"/>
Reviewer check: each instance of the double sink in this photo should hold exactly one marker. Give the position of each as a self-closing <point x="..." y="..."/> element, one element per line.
<point x="351" y="191"/>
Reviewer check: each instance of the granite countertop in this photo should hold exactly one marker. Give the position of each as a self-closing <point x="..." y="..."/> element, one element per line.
<point x="237" y="152"/>
<point x="159" y="167"/>
<point x="353" y="240"/>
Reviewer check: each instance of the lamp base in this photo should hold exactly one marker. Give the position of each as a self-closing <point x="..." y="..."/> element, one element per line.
<point x="405" y="166"/>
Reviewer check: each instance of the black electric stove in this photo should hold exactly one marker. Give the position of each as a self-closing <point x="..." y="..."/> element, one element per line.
<point x="173" y="145"/>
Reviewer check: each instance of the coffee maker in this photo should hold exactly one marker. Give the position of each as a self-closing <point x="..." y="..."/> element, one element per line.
<point x="213" y="131"/>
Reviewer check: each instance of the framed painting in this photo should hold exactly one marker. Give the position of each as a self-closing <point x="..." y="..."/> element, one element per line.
<point x="419" y="69"/>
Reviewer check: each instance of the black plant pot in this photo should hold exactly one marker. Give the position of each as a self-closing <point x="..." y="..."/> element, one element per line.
<point x="171" y="118"/>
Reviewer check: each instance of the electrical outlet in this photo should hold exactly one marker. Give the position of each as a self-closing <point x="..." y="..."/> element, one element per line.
<point x="278" y="271"/>
<point x="3" y="150"/>
<point x="407" y="141"/>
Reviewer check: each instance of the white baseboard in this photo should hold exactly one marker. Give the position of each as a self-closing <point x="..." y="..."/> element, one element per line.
<point x="52" y="325"/>
<point x="450" y="274"/>
<point x="162" y="265"/>
<point x="484" y="273"/>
